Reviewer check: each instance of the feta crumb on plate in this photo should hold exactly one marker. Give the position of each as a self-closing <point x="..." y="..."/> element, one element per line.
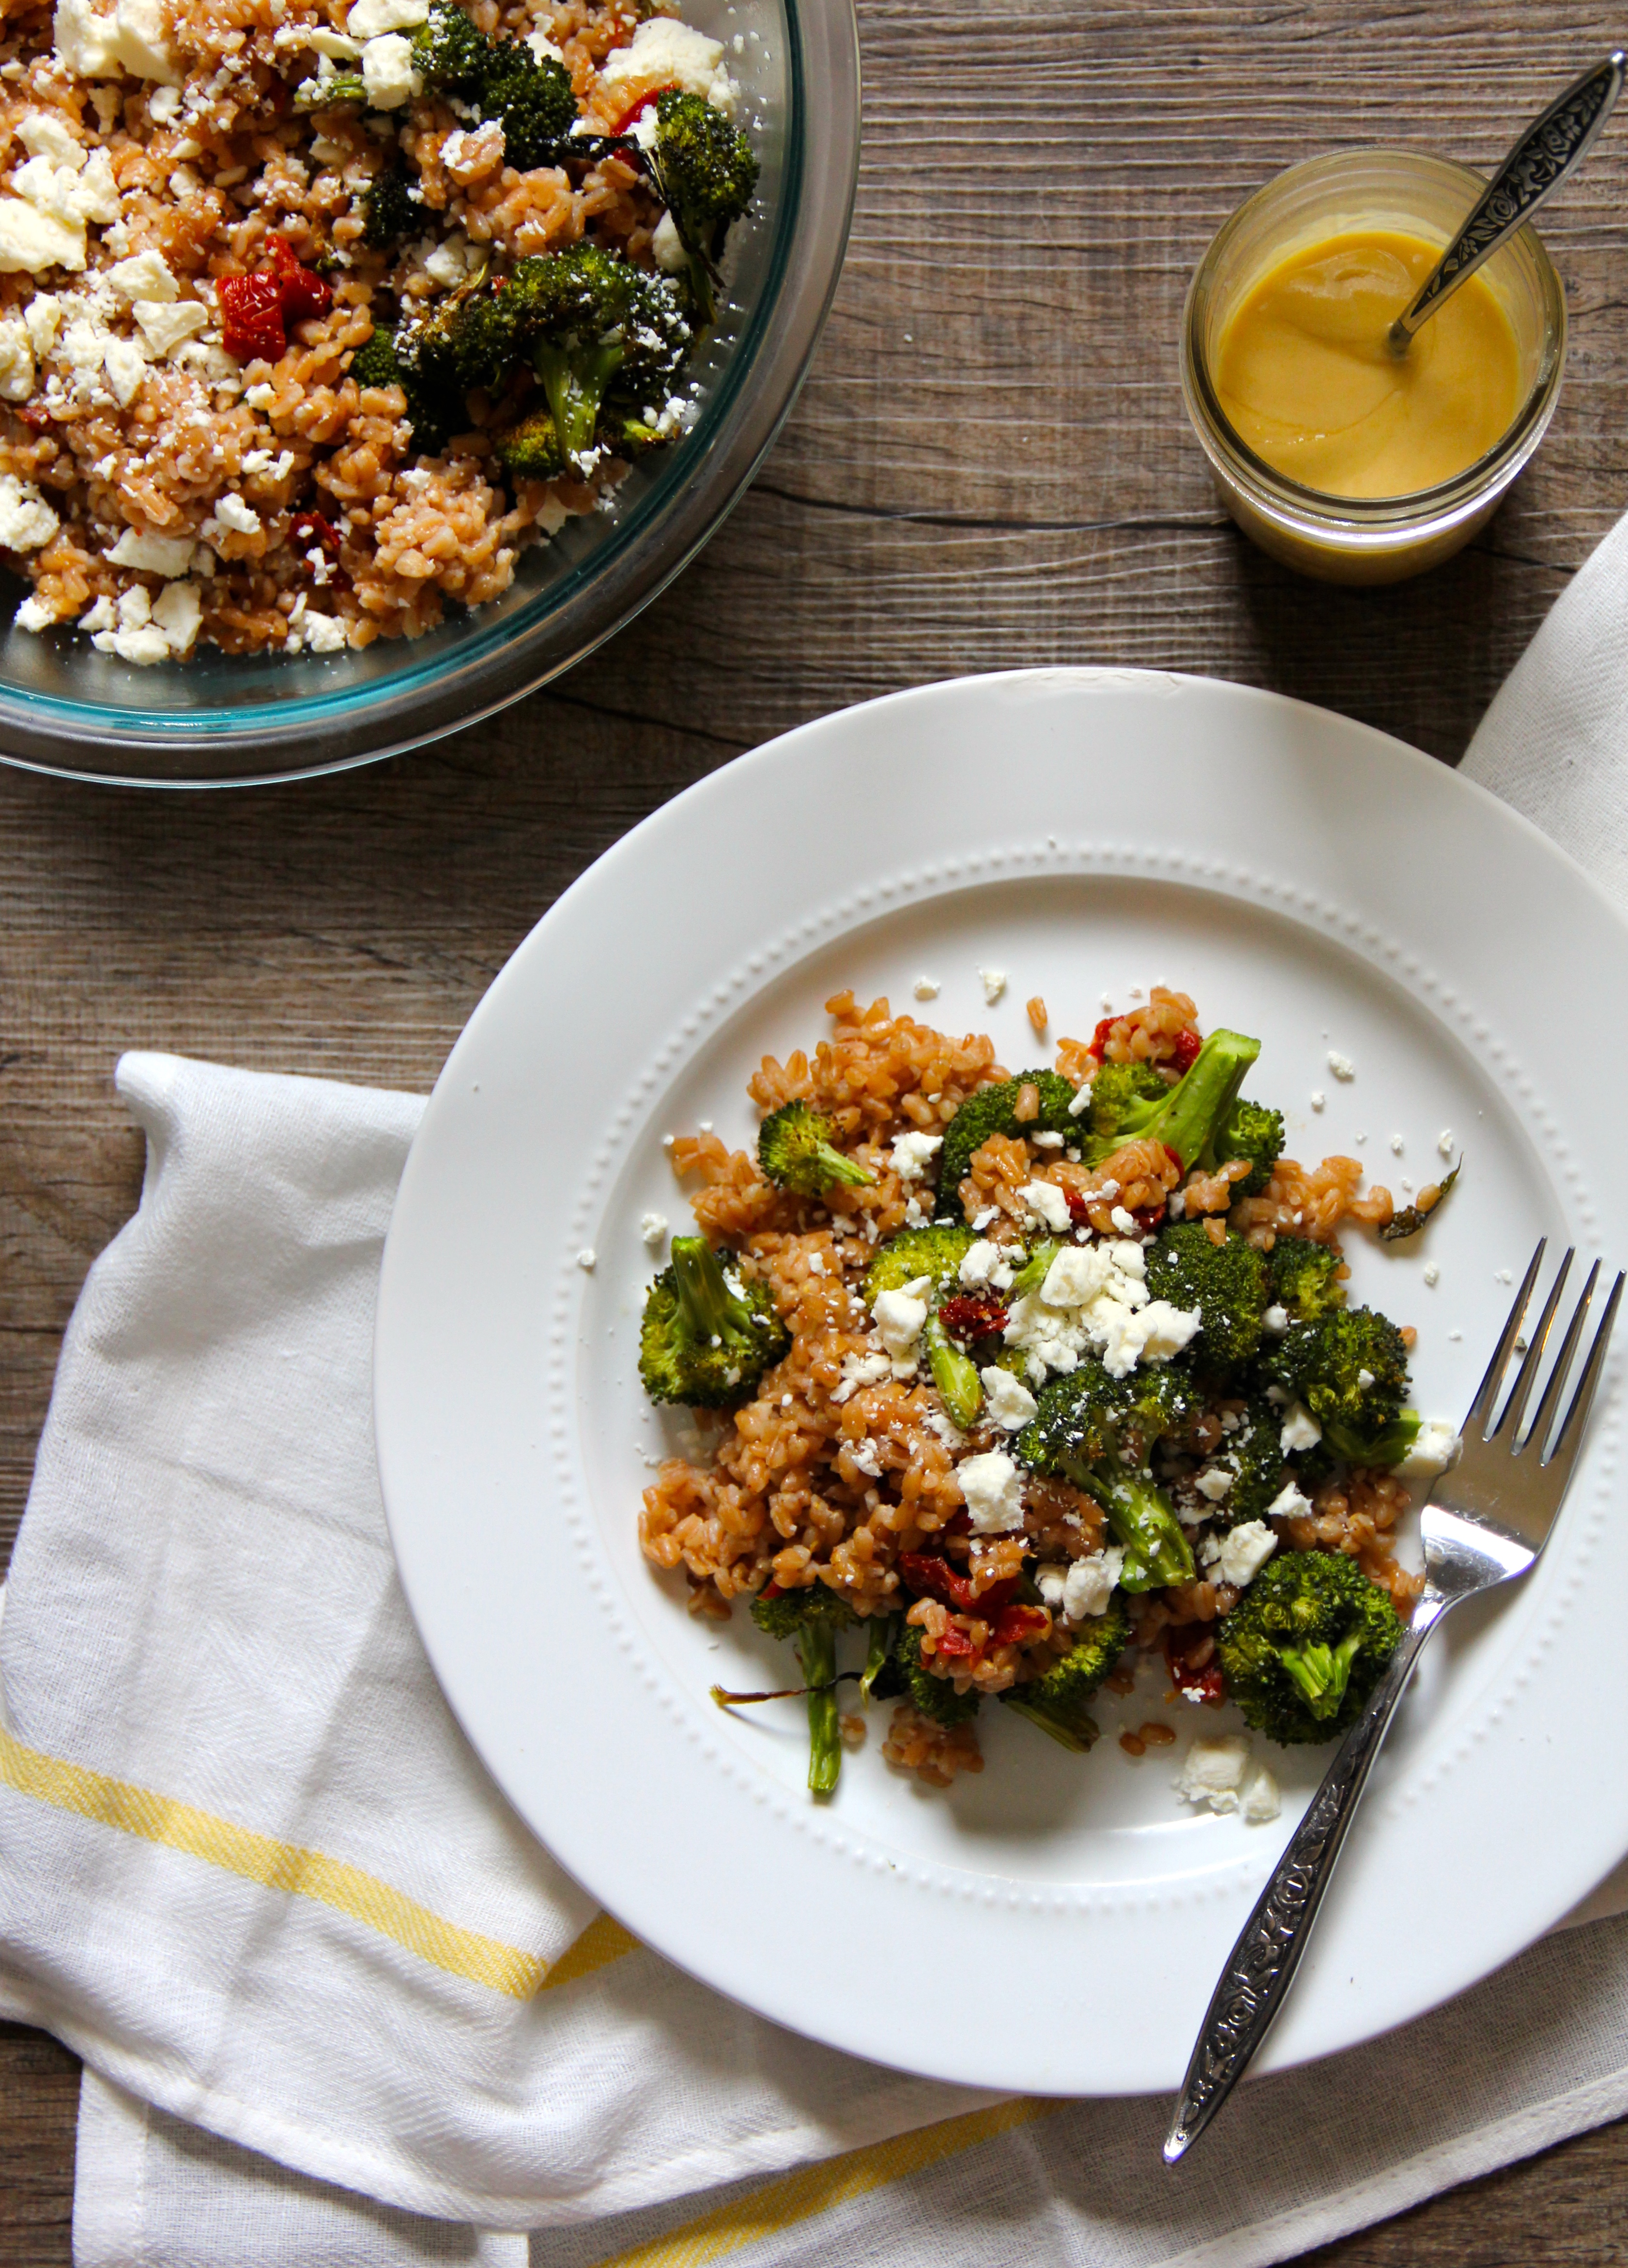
<point x="994" y="983"/>
<point x="1342" y="1066"/>
<point x="925" y="988"/>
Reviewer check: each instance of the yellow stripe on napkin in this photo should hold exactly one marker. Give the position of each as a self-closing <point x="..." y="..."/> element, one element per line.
<point x="306" y="1874"/>
<point x="818" y="2189"/>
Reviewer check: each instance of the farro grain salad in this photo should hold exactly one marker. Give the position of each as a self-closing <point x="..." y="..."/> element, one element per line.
<point x="1019" y="1379"/>
<point x="314" y="313"/>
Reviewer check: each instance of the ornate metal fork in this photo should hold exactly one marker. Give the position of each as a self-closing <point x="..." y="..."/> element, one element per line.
<point x="1485" y="1520"/>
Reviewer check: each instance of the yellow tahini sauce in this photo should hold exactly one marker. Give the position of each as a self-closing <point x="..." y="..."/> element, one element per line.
<point x="1307" y="378"/>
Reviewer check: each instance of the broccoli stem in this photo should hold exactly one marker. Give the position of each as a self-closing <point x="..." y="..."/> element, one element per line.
<point x="816" y="1650"/>
<point x="1080" y="1733"/>
<point x="1033" y="1272"/>
<point x="709" y="1310"/>
<point x="954" y="1374"/>
<point x="1156" y="1550"/>
<point x="834" y="1166"/>
<point x="1202" y="1098"/>
<point x="574" y="386"/>
<point x="1387" y="1448"/>
<point x="880" y="1631"/>
<point x="1322" y="1672"/>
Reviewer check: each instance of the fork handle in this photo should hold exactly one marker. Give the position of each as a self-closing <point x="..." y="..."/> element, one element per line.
<point x="1256" y="1980"/>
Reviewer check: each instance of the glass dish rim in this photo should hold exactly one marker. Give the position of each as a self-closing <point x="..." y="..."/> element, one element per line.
<point x="1418" y="510"/>
<point x="695" y="487"/>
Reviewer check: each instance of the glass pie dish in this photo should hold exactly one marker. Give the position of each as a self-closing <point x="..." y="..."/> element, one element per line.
<point x="223" y="720"/>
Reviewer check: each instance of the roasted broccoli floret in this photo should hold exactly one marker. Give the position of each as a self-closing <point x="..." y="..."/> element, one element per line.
<point x="935" y="1252"/>
<point x="432" y="413"/>
<point x="1254" y="1454"/>
<point x="1304" y="1647"/>
<point x="795" y="1151"/>
<point x="1096" y="1432"/>
<point x="707" y="1335"/>
<point x="813" y="1617"/>
<point x="705" y="173"/>
<point x="388" y="209"/>
<point x="1186" y="1118"/>
<point x="1350" y="1368"/>
<point x="528" y="95"/>
<point x="905" y="1676"/>
<point x="1124" y="1097"/>
<point x="993" y="1111"/>
<point x="593" y="325"/>
<point x="1250" y="1131"/>
<point x="1304" y="1277"/>
<point x="1057" y="1702"/>
<point x="467" y="338"/>
<point x="529" y="450"/>
<point x="1225" y="1281"/>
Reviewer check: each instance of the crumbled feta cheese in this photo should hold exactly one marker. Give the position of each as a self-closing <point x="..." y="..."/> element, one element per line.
<point x="169" y="556"/>
<point x="42" y="320"/>
<point x="1212" y="1771"/>
<point x="1259" y="1801"/>
<point x="1319" y="1100"/>
<point x="1214" y="1482"/>
<point x="26" y="521"/>
<point x="587" y="1259"/>
<point x="1365" y="1379"/>
<point x="912" y="1153"/>
<point x="1276" y="1319"/>
<point x="126" y="366"/>
<point x="993" y="1492"/>
<point x="543" y="48"/>
<point x="449" y="263"/>
<point x="34" y="615"/>
<point x="101" y="616"/>
<point x="387" y="72"/>
<point x="44" y="134"/>
<point x="865" y="1459"/>
<point x="654" y="1227"/>
<point x="983" y="1266"/>
<point x="1245" y="1550"/>
<point x="1088" y="1584"/>
<point x="368" y="18"/>
<point x="1047" y="1202"/>
<point x="665" y="53"/>
<point x="925" y="988"/>
<point x="1006" y="1400"/>
<point x="241" y="519"/>
<point x="143" y="276"/>
<point x="1095" y="1296"/>
<point x="166" y="328"/>
<point x="1045" y="1140"/>
<point x="1081" y="1103"/>
<point x="103" y="42"/>
<point x="1288" y="1504"/>
<point x="986" y="1218"/>
<point x="1342" y="1066"/>
<point x="178" y="611"/>
<point x="1437" y="1446"/>
<point x="1444" y="1142"/>
<point x="326" y="633"/>
<point x="31" y="241"/>
<point x="1301" y="1429"/>
<point x="1123" y="1221"/>
<point x="1077" y="1275"/>
<point x="1397" y="1144"/>
<point x="667" y="249"/>
<point x="862" y="1370"/>
<point x="994" y="983"/>
<point x="16" y="361"/>
<point x="1432" y="1274"/>
<point x="899" y="1317"/>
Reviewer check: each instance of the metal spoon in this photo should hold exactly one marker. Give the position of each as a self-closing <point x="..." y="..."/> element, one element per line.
<point x="1552" y="148"/>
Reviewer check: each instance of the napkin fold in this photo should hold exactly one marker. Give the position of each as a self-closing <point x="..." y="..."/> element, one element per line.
<point x="336" y="2006"/>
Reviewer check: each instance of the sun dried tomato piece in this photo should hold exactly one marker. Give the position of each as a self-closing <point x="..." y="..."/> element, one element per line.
<point x="1189" y="1653"/>
<point x="637" y="108"/>
<point x="955" y="1646"/>
<point x="1187" y="1046"/>
<point x="1015" y="1625"/>
<point x="258" y="307"/>
<point x="1099" y="1038"/>
<point x="973" y="1315"/>
<point x="307" y="528"/>
<point x="1078" y="1211"/>
<point x="931" y="1576"/>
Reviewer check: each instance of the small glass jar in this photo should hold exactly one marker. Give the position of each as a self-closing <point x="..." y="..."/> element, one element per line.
<point x="1384" y="539"/>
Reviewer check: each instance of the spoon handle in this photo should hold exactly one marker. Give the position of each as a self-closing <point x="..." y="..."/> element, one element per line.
<point x="1551" y="147"/>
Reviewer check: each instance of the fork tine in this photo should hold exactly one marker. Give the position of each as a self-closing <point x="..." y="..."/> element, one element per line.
<point x="1487" y="1393"/>
<point x="1540" y="1426"/>
<point x="1574" y="1425"/>
<point x="1515" y="1409"/>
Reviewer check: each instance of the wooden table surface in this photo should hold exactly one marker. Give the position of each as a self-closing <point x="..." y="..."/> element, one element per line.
<point x="989" y="467"/>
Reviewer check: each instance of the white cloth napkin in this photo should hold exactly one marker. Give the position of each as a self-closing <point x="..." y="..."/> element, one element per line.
<point x="249" y="1870"/>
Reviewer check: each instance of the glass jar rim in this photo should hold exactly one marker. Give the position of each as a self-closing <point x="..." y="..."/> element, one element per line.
<point x="1438" y="506"/>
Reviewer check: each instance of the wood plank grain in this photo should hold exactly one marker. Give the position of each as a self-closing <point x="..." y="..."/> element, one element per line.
<point x="989" y="468"/>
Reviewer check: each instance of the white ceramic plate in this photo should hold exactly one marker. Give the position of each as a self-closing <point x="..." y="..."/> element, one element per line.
<point x="1056" y="1925"/>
